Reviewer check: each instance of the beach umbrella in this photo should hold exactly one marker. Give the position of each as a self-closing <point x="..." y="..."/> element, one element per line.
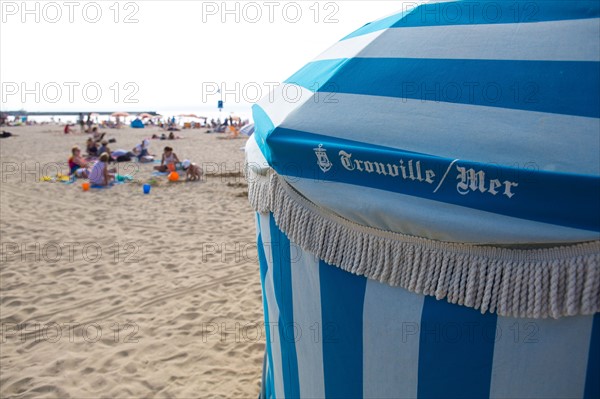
<point x="425" y="188"/>
<point x="119" y="114"/>
<point x="145" y="115"/>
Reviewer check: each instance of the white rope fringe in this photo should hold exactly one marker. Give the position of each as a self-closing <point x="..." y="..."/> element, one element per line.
<point x="531" y="283"/>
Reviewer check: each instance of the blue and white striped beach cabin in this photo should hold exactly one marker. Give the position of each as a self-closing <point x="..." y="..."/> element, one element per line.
<point x="428" y="208"/>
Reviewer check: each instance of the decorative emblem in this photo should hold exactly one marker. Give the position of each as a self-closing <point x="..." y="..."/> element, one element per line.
<point x="322" y="159"/>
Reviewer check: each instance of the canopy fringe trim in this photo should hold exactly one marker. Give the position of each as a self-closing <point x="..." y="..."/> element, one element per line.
<point x="525" y="283"/>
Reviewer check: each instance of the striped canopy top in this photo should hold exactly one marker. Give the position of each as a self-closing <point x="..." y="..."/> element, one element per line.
<point x="473" y="122"/>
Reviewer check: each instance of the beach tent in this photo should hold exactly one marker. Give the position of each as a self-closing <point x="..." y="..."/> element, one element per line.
<point x="137" y="124"/>
<point x="428" y="208"/>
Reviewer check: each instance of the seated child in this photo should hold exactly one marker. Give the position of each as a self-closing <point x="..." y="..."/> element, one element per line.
<point x="192" y="171"/>
<point x="168" y="158"/>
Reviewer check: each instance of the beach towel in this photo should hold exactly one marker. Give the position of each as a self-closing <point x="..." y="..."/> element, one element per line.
<point x="114" y="183"/>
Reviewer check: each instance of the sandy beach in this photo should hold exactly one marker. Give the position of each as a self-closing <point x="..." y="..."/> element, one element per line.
<point x="113" y="293"/>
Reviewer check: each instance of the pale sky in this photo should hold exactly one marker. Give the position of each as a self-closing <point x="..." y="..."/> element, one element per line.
<point x="172" y="54"/>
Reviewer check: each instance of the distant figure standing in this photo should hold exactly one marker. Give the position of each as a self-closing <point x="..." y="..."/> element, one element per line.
<point x="89" y="123"/>
<point x="81" y="123"/>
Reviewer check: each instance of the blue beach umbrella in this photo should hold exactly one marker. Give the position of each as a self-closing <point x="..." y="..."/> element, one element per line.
<point x="428" y="207"/>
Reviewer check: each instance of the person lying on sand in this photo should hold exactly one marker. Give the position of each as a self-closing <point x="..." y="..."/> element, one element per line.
<point x="168" y="158"/>
<point x="193" y="172"/>
<point x="100" y="175"/>
<point x="6" y="135"/>
<point x="120" y="155"/>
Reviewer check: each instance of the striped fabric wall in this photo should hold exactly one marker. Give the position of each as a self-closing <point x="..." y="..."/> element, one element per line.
<point x="332" y="334"/>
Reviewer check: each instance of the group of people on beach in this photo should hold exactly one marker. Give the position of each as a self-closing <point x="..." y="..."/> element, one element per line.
<point x="95" y="165"/>
<point x="163" y="136"/>
<point x="170" y="160"/>
<point x="96" y="170"/>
